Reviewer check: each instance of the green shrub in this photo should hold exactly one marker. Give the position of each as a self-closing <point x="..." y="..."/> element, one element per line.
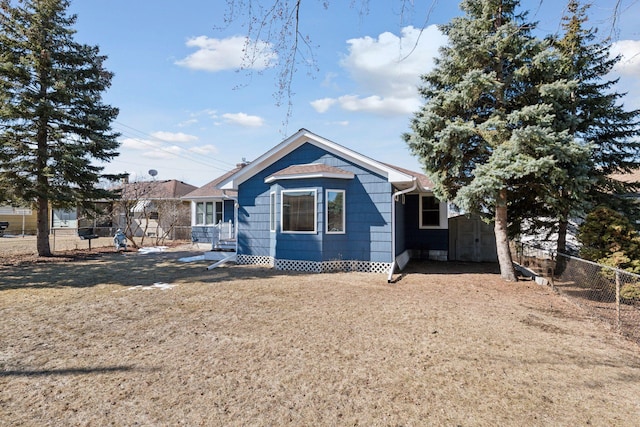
<point x="609" y="238"/>
<point x="630" y="292"/>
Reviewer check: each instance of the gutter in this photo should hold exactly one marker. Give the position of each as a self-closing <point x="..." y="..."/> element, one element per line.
<point x="393" y="224"/>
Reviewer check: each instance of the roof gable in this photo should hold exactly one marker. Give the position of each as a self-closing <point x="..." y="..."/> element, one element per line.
<point x="211" y="190"/>
<point x="392" y="174"/>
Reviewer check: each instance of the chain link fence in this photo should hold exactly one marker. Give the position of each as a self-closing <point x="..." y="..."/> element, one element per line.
<point x="610" y="294"/>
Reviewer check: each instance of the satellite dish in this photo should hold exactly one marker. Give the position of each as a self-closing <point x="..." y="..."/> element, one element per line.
<point x="153" y="172"/>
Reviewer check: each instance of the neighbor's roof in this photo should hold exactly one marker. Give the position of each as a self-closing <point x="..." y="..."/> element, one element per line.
<point x="169" y="189"/>
<point x="633" y="176"/>
<point x="211" y="190"/>
<point x="401" y="178"/>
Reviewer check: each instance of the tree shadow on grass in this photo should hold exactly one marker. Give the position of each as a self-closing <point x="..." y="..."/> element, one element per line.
<point x="128" y="269"/>
<point x="450" y="267"/>
<point x="70" y="371"/>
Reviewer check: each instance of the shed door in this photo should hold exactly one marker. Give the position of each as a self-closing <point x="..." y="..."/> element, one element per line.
<point x="475" y="241"/>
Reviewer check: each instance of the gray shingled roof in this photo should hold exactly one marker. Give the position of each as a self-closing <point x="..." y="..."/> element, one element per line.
<point x="156" y="190"/>
<point x="210" y="189"/>
<point x="312" y="168"/>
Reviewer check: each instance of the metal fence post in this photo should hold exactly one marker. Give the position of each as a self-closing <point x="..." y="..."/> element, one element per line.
<point x="618" y="323"/>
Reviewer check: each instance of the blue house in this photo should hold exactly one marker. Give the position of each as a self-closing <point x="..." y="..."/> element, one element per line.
<point x="310" y="204"/>
<point x="213" y="212"/>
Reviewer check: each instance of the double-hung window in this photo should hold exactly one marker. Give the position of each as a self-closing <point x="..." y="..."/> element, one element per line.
<point x="429" y="212"/>
<point x="335" y="211"/>
<point x="208" y="213"/>
<point x="299" y="211"/>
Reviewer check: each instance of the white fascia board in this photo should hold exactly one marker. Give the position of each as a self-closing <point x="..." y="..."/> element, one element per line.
<point x="194" y="198"/>
<point x="304" y="136"/>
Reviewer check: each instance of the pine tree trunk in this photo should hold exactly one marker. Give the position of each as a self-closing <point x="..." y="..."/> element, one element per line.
<point x="507" y="271"/>
<point x="42" y="238"/>
<point x="563" y="225"/>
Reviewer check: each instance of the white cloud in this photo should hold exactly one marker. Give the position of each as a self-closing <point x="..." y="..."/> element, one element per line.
<point x="188" y="122"/>
<point x="138" y="144"/>
<point x="165" y="152"/>
<point x="243" y="119"/>
<point x="322" y="105"/>
<point x="387" y="70"/>
<point x="228" y="54"/>
<point x="153" y="149"/>
<point x="174" y="137"/>
<point x="204" y="150"/>
<point x="379" y="105"/>
<point x="629" y="50"/>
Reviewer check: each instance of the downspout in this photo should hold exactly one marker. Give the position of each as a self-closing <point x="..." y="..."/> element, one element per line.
<point x="236" y="205"/>
<point x="393" y="225"/>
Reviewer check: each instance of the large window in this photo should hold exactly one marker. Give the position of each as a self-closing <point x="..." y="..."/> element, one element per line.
<point x="299" y="211"/>
<point x="429" y="212"/>
<point x="335" y="211"/>
<point x="208" y="213"/>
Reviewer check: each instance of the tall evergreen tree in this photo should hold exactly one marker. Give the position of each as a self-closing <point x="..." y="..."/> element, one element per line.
<point x="484" y="131"/>
<point x="53" y="122"/>
<point x="595" y="115"/>
<point x="591" y="114"/>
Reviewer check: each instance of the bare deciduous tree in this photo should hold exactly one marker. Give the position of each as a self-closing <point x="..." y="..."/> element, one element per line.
<point x="281" y="24"/>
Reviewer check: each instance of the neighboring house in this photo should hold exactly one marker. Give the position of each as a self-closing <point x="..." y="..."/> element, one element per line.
<point x="629" y="178"/>
<point x="21" y="220"/>
<point x="73" y="219"/>
<point x="212" y="210"/>
<point x="24" y="220"/>
<point x="154" y="209"/>
<point x="310" y="204"/>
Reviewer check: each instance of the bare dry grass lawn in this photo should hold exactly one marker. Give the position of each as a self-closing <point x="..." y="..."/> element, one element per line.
<point x="88" y="341"/>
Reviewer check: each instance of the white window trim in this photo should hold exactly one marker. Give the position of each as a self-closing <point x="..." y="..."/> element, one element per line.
<point x="442" y="209"/>
<point x="315" y="210"/>
<point x="204" y="213"/>
<point x="344" y="211"/>
<point x="273" y="202"/>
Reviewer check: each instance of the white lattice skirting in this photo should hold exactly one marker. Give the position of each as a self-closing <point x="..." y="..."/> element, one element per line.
<point x="315" y="266"/>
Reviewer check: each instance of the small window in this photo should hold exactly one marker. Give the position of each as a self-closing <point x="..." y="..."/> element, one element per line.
<point x="299" y="211"/>
<point x="335" y="211"/>
<point x="272" y="211"/>
<point x="199" y="213"/>
<point x="209" y="213"/>
<point x="429" y="212"/>
<point x="218" y="212"/>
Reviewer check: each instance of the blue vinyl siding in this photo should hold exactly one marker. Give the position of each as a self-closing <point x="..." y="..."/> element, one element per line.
<point x="401" y="244"/>
<point x="417" y="238"/>
<point x="228" y="211"/>
<point x="368" y="213"/>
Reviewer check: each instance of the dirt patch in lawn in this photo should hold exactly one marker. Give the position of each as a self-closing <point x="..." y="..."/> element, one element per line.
<point x="128" y="339"/>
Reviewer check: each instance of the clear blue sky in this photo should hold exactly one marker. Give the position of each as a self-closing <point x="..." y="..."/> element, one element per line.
<point x="187" y="112"/>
